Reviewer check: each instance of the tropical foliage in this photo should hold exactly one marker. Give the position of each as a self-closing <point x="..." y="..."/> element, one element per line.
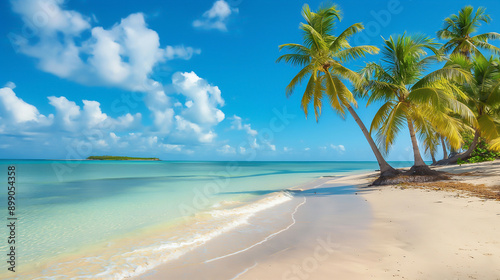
<point x="322" y="57"/>
<point x="423" y="103"/>
<point x="482" y="152"/>
<point x="458" y="30"/>
<point x="439" y="106"/>
<point x="483" y="98"/>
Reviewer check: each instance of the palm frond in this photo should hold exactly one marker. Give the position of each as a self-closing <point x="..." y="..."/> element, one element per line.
<point x="298" y="79"/>
<point x="354" y="53"/>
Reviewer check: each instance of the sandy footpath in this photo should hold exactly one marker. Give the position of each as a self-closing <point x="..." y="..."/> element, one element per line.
<point x="342" y="229"/>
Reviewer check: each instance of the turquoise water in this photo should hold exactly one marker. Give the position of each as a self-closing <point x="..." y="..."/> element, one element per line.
<point x="64" y="206"/>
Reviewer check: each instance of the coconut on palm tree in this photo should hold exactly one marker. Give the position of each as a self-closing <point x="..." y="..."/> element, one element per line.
<point x="459" y="31"/>
<point x="322" y="57"/>
<point x="413" y="99"/>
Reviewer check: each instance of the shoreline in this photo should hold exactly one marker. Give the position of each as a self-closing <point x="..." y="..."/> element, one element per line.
<point x="359" y="232"/>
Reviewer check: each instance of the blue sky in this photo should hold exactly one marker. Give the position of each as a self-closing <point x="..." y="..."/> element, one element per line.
<point x="181" y="80"/>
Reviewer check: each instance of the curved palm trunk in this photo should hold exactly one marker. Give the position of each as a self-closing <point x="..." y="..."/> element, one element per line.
<point x="463" y="155"/>
<point x="416" y="151"/>
<point x="433" y="158"/>
<point x="472" y="147"/>
<point x="445" y="152"/>
<point x="385" y="168"/>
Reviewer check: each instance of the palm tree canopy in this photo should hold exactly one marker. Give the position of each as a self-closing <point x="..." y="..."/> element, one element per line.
<point x="459" y="30"/>
<point x="321" y="57"/>
<point x="483" y="93"/>
<point x="408" y="94"/>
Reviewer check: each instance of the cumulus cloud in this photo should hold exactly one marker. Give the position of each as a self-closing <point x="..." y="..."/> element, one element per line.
<point x="338" y="148"/>
<point x="192" y="120"/>
<point x="216" y="17"/>
<point x="237" y="123"/>
<point x="123" y="55"/>
<point x="71" y="124"/>
<point x="171" y="147"/>
<point x="202" y="98"/>
<point x="14" y="110"/>
<point x="10" y="85"/>
<point x="72" y="118"/>
<point x="161" y="110"/>
<point x="50" y="15"/>
<point x="227" y="149"/>
<point x="254" y="140"/>
<point x="180" y="52"/>
<point x="192" y="123"/>
<point x="69" y="45"/>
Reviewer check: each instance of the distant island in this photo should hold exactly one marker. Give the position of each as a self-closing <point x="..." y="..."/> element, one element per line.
<point x="119" y="158"/>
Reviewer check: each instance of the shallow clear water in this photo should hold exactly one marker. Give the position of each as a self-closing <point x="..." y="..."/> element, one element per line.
<point x="64" y="206"/>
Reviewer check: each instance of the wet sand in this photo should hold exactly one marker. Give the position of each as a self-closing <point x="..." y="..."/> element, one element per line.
<point x="338" y="228"/>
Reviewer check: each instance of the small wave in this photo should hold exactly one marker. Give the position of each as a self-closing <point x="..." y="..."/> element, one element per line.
<point x="134" y="262"/>
<point x="262" y="204"/>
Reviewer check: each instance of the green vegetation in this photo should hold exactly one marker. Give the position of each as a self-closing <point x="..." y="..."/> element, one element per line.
<point x="119" y="158"/>
<point x="461" y="97"/>
<point x="481" y="153"/>
<point x="322" y="57"/>
<point x="412" y="99"/>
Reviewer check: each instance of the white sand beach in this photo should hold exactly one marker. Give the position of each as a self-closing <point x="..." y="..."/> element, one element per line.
<point x="330" y="231"/>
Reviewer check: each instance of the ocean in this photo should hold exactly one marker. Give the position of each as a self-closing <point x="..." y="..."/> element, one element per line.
<point x="118" y="219"/>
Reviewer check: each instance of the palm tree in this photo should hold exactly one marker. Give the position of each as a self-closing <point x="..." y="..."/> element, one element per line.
<point x="483" y="98"/>
<point x="430" y="139"/>
<point x="443" y="145"/>
<point x="458" y="30"/>
<point x="412" y="99"/>
<point x="321" y="57"/>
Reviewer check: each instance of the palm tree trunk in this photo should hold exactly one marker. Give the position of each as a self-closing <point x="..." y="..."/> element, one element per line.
<point x="473" y="145"/>
<point x="416" y="151"/>
<point x="385" y="168"/>
<point x="464" y="155"/>
<point x="433" y="158"/>
<point x="445" y="153"/>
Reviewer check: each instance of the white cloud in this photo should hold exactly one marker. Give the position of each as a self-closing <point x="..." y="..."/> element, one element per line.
<point x="122" y="56"/>
<point x="171" y="147"/>
<point x="187" y="128"/>
<point x="227" y="149"/>
<point x="203" y="98"/>
<point x="253" y="141"/>
<point x="48" y="13"/>
<point x="216" y="17"/>
<point x="67" y="111"/>
<point x="192" y="121"/>
<point x="10" y="85"/>
<point x="237" y="123"/>
<point x="242" y="150"/>
<point x="70" y="117"/>
<point x="286" y="149"/>
<point x="161" y="110"/>
<point x="307" y="149"/>
<point x="180" y="52"/>
<point x="338" y="148"/>
<point x="15" y="110"/>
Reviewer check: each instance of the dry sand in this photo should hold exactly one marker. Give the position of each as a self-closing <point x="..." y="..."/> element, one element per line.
<point x="358" y="232"/>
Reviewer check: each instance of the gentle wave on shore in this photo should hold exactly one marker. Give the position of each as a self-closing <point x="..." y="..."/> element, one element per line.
<point x="111" y="220"/>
